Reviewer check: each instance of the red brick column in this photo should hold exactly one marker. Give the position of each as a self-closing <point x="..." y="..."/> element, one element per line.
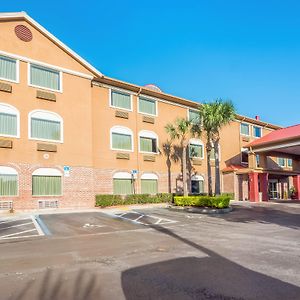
<point x="264" y="186"/>
<point x="296" y="182"/>
<point x="253" y="181"/>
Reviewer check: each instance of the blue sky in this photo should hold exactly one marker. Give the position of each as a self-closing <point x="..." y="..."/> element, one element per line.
<point x="246" y="51"/>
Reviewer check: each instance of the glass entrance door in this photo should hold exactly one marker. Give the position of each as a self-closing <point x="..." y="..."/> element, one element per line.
<point x="273" y="189"/>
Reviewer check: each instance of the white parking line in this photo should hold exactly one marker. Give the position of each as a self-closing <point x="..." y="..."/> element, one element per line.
<point x="13" y="220"/>
<point x="37" y="226"/>
<point x="17" y="233"/>
<point x="23" y="224"/>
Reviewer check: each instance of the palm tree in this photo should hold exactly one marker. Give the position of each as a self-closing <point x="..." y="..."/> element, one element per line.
<point x="182" y="130"/>
<point x="214" y="116"/>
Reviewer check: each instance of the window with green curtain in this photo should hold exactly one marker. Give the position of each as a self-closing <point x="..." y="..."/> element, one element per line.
<point x="245" y="129"/>
<point x="149" y="186"/>
<point x="8" y="185"/>
<point x="148" y="144"/>
<point x="8" y="124"/>
<point x="281" y="161"/>
<point x="45" y="129"/>
<point x="46" y="185"/>
<point x="122" y="186"/>
<point x="44" y="77"/>
<point x="147" y="106"/>
<point x="121" y="141"/>
<point x="193" y="116"/>
<point x="8" y="68"/>
<point x="121" y="100"/>
<point x="196" y="150"/>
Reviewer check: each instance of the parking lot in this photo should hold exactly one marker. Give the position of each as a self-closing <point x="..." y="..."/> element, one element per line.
<point x="154" y="253"/>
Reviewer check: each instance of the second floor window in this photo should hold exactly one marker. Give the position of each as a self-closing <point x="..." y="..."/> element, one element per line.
<point x="245" y="129"/>
<point x="147" y="106"/>
<point x="45" y="126"/>
<point x="256" y="131"/>
<point x="195" y="149"/>
<point x="193" y="116"/>
<point x="121" y="138"/>
<point x="120" y="100"/>
<point x="8" y="68"/>
<point x="148" y="141"/>
<point x="281" y="161"/>
<point x="45" y="77"/>
<point x="289" y="162"/>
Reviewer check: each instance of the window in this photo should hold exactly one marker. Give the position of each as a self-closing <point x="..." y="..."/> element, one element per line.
<point x="196" y="149"/>
<point x="281" y="161"/>
<point x="8" y="182"/>
<point x="257" y="158"/>
<point x="289" y="162"/>
<point x="44" y="125"/>
<point x="122" y="184"/>
<point x="149" y="184"/>
<point x="9" y="69"/>
<point x="120" y="100"/>
<point x="46" y="182"/>
<point x="148" y="141"/>
<point x="121" y="138"/>
<point x="256" y="131"/>
<point x="197" y="184"/>
<point x="244" y="156"/>
<point x="9" y="121"/>
<point x="147" y="106"/>
<point x="245" y="129"/>
<point x="44" y="77"/>
<point x="193" y="116"/>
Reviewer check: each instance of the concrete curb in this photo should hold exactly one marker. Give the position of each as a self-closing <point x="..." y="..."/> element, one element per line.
<point x="198" y="210"/>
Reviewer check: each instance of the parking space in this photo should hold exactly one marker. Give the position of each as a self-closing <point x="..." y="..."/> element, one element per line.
<point x="16" y="228"/>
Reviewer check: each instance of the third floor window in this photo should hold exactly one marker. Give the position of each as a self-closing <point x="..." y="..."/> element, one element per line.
<point x="120" y="100"/>
<point x="8" y="69"/>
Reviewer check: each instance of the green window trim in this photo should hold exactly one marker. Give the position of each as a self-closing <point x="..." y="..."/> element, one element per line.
<point x="149" y="186"/>
<point x="8" y="124"/>
<point x="147" y="106"/>
<point x="121" y="141"/>
<point x="195" y="151"/>
<point x="245" y="129"/>
<point x="43" y="129"/>
<point x="8" y="185"/>
<point x="46" y="185"/>
<point x="148" y="145"/>
<point x="45" y="77"/>
<point x="8" y="69"/>
<point x="122" y="186"/>
<point x="120" y="100"/>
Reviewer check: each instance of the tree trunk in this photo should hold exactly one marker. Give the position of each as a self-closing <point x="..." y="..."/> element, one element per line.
<point x="217" y="168"/>
<point x="209" y="181"/>
<point x="184" y="177"/>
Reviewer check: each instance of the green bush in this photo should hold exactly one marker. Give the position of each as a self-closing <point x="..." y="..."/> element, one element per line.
<point x="203" y="201"/>
<point x="111" y="200"/>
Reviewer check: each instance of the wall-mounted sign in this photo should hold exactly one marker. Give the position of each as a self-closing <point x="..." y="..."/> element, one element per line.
<point x="67" y="171"/>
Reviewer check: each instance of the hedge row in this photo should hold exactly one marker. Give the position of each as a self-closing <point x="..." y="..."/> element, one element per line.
<point x="203" y="201"/>
<point x="111" y="200"/>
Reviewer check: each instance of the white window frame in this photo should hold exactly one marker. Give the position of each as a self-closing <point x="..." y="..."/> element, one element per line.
<point x="149" y="176"/>
<point x="150" y="135"/>
<point x="121" y="130"/>
<point x="9" y="109"/>
<point x="41" y="87"/>
<point x="256" y="137"/>
<point x="4" y="170"/>
<point x="150" y="99"/>
<point x="244" y="162"/>
<point x="285" y="162"/>
<point x="198" y="178"/>
<point x="249" y="126"/>
<point x="48" y="172"/>
<point x="196" y="142"/>
<point x="110" y="90"/>
<point x="17" y="70"/>
<point x="46" y="115"/>
<point x="122" y="175"/>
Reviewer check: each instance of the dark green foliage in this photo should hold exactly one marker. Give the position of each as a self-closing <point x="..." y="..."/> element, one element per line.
<point x="203" y="201"/>
<point x="111" y="200"/>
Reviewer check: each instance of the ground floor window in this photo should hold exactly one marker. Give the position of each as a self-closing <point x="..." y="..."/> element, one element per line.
<point x="46" y="182"/>
<point x="149" y="186"/>
<point x="8" y="181"/>
<point x="122" y="186"/>
<point x="197" y="184"/>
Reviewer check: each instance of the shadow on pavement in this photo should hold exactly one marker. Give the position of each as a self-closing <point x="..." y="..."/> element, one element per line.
<point x="210" y="277"/>
<point x="265" y="215"/>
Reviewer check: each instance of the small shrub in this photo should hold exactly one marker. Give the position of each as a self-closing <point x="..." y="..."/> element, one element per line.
<point x="111" y="200"/>
<point x="203" y="201"/>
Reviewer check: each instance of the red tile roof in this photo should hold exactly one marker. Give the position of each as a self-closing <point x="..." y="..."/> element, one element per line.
<point x="278" y="135"/>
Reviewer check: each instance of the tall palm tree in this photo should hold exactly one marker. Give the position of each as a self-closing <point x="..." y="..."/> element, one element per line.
<point x="214" y="116"/>
<point x="181" y="130"/>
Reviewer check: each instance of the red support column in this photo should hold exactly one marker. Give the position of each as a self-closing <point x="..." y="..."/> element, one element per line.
<point x="253" y="181"/>
<point x="296" y="182"/>
<point x="264" y="186"/>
